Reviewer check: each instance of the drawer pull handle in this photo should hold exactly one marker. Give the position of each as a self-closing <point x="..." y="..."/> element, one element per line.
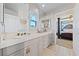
<point x="27" y="50"/>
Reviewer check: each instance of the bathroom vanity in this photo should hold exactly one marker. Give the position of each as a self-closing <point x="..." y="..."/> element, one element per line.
<point x="17" y="37"/>
<point x="32" y="45"/>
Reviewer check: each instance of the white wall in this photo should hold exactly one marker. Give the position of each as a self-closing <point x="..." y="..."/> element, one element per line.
<point x="76" y="30"/>
<point x="51" y="18"/>
<point x="20" y="14"/>
<point x="1" y="17"/>
<point x="52" y="24"/>
<point x="63" y="14"/>
<point x="23" y="13"/>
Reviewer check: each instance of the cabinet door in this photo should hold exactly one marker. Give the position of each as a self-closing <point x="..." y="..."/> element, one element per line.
<point x="46" y="41"/>
<point x="32" y="48"/>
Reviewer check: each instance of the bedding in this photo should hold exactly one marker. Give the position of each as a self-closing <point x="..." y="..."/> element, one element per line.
<point x="68" y="36"/>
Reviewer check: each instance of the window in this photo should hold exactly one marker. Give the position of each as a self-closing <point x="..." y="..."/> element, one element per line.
<point x="33" y="21"/>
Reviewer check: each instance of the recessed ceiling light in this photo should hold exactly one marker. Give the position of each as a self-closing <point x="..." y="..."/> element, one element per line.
<point x="43" y="5"/>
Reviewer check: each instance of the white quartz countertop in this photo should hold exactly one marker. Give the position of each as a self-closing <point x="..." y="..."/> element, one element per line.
<point x="16" y="40"/>
<point x="36" y="35"/>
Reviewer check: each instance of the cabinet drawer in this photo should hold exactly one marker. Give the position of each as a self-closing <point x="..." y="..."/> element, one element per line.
<point x="12" y="49"/>
<point x="18" y="53"/>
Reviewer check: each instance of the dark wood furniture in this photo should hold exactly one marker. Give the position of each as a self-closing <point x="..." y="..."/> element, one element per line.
<point x="68" y="36"/>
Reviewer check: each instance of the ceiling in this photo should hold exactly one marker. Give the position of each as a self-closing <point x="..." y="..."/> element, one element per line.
<point x="52" y="7"/>
<point x="48" y="7"/>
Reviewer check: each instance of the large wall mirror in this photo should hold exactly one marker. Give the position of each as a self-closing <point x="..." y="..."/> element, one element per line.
<point x="33" y="20"/>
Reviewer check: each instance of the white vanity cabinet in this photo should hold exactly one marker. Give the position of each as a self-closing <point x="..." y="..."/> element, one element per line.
<point x="18" y="53"/>
<point x="36" y="45"/>
<point x="31" y="48"/>
<point x="40" y="45"/>
<point x="46" y="41"/>
<point x="13" y="50"/>
<point x="43" y="43"/>
<point x="52" y="38"/>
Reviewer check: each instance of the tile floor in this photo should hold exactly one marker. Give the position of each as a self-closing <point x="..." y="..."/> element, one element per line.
<point x="56" y="50"/>
<point x="65" y="43"/>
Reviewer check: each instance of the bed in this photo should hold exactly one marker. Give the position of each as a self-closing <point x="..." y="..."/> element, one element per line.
<point x="67" y="34"/>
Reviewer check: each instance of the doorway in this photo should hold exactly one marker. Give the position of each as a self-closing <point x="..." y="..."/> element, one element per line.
<point x="65" y="32"/>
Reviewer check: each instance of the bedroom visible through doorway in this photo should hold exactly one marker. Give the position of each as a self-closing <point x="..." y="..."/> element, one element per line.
<point x="65" y="32"/>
